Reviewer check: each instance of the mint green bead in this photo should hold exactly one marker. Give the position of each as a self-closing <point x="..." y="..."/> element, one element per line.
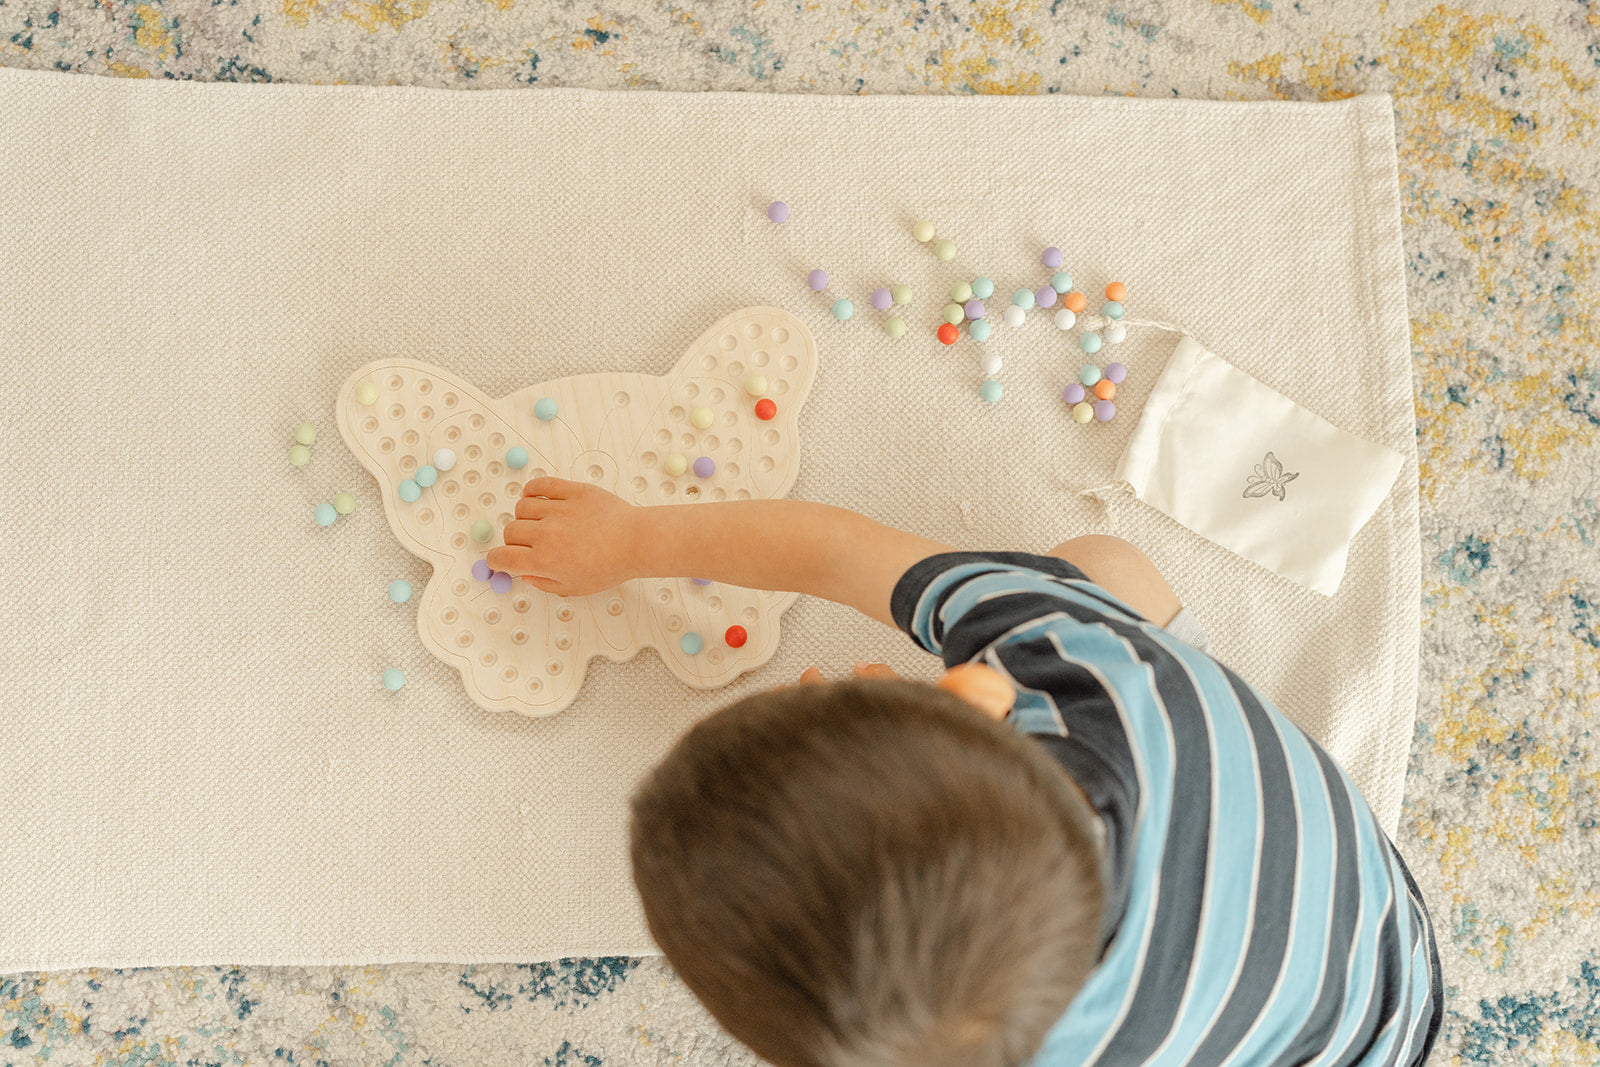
<point x="954" y="314"/>
<point x="325" y="515"/>
<point x="843" y="309"/>
<point x="1023" y="298"/>
<point x="961" y="292"/>
<point x="399" y="591"/>
<point x="1061" y="282"/>
<point x="516" y="458"/>
<point x="482" y="531"/>
<point x="1089" y="375"/>
<point x="305" y="433"/>
<point x="393" y="679"/>
<point x="990" y="390"/>
<point x="426" y="475"/>
<point x="410" y="491"/>
<point x="691" y="644"/>
<point x="299" y="455"/>
<point x="894" y="326"/>
<point x="978" y="330"/>
<point x="1111" y="309"/>
<point x="1090" y="343"/>
<point x="982" y="288"/>
<point x="545" y="409"/>
<point x="901" y="294"/>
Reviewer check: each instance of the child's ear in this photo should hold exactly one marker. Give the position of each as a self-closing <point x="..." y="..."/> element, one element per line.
<point x="981" y="686"/>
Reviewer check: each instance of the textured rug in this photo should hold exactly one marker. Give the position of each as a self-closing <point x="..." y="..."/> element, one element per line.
<point x="1496" y="108"/>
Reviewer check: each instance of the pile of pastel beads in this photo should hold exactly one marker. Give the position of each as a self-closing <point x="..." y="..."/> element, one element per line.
<point x="885" y="297"/>
<point x="1102" y="386"/>
<point x="1111" y="310"/>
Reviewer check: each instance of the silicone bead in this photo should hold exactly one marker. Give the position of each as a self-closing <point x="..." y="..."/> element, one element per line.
<point x="705" y="467"/>
<point x="990" y="363"/>
<point x="1111" y="309"/>
<point x="1116" y="372"/>
<point x="901" y="294"/>
<point x="1023" y="298"/>
<point x="1014" y="315"/>
<point x="305" y="433"/>
<point x="990" y="390"/>
<point x="480" y="570"/>
<point x="426" y="476"/>
<point x="482" y="531"/>
<point x="882" y="298"/>
<point x="394" y="678"/>
<point x="676" y="463"/>
<point x="973" y="309"/>
<point x="409" y="491"/>
<point x="366" y="394"/>
<point x="960" y="292"/>
<point x="1051" y="257"/>
<point x="299" y="455"/>
<point x="1076" y="302"/>
<point x="1061" y="282"/>
<point x="1090" y="343"/>
<point x="894" y="326"/>
<point x="843" y="309"/>
<point x="1117" y="291"/>
<point x="817" y="279"/>
<point x="1045" y="296"/>
<point x="1082" y="413"/>
<point x="1073" y="394"/>
<point x="947" y="333"/>
<point x="778" y="211"/>
<point x="945" y="249"/>
<point x="755" y="384"/>
<point x="545" y="410"/>
<point x="516" y="459"/>
<point x="444" y="459"/>
<point x="399" y="591"/>
<point x="1066" y="319"/>
<point x="1105" y="410"/>
<point x="702" y="418"/>
<point x="1105" y="389"/>
<point x="953" y="314"/>
<point x="923" y="231"/>
<point x="735" y="637"/>
<point x="344" y="503"/>
<point x="1115" y="333"/>
<point x="1088" y="375"/>
<point x="691" y="644"/>
<point x="765" y="411"/>
<point x="499" y="582"/>
<point x="978" y="330"/>
<point x="982" y="288"/>
<point x="325" y="515"/>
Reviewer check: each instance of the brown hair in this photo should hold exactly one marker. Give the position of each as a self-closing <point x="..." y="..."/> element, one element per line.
<point x="869" y="873"/>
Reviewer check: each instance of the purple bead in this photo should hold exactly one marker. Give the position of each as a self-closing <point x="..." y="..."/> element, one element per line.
<point x="1045" y="296"/>
<point x="1073" y="394"/>
<point x="881" y="298"/>
<point x="818" y="280"/>
<point x="704" y="467"/>
<point x="1115" y="372"/>
<point x="974" y="309"/>
<point x="1051" y="257"/>
<point x="500" y="582"/>
<point x="777" y="211"/>
<point x="1104" y="409"/>
<point x="701" y="581"/>
<point x="480" y="570"/>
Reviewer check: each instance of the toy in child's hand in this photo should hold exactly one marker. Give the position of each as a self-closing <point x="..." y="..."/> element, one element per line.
<point x="527" y="650"/>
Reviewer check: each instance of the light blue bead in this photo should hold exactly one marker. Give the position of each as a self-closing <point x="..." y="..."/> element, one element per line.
<point x="691" y="644"/>
<point x="1061" y="282"/>
<point x="325" y="515"/>
<point x="393" y="678"/>
<point x="982" y="288"/>
<point x="545" y="409"/>
<point x="399" y="591"/>
<point x="1089" y="375"/>
<point x="843" y="309"/>
<point x="1090" y="342"/>
<point x="1023" y="298"/>
<point x="409" y="490"/>
<point x="1111" y="309"/>
<point x="978" y="330"/>
<point x="990" y="390"/>
<point x="516" y="458"/>
<point x="426" y="476"/>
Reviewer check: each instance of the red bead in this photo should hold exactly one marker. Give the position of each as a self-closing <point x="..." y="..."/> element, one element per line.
<point x="766" y="409"/>
<point x="948" y="334"/>
<point x="736" y="637"/>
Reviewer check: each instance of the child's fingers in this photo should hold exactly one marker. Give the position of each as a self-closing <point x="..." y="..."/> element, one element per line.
<point x="516" y="561"/>
<point x="874" y="670"/>
<point x="520" y="532"/>
<point x="551" y="488"/>
<point x="812" y="676"/>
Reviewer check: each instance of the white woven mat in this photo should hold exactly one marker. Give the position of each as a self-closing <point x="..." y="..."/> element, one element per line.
<point x="199" y="763"/>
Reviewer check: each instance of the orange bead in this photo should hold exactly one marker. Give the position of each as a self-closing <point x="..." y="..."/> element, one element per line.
<point x="765" y="409"/>
<point x="736" y="637"/>
<point x="1105" y="389"/>
<point x="1117" y="291"/>
<point x="948" y="334"/>
<point x="1075" y="301"/>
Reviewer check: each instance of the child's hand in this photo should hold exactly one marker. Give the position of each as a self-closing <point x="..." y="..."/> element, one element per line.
<point x="568" y="538"/>
<point x="863" y="670"/>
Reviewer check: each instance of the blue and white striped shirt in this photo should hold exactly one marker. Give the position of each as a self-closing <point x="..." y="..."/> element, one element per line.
<point x="1255" y="913"/>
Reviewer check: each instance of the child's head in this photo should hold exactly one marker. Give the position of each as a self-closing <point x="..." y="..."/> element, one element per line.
<point x="870" y="873"/>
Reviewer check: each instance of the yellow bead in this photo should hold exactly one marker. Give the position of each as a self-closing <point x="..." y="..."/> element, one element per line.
<point x="945" y="250"/>
<point x="923" y="231"/>
<point x="366" y="393"/>
<point x="894" y="326"/>
<point x="755" y="384"/>
<point x="961" y="292"/>
<point x="675" y="464"/>
<point x="701" y="418"/>
<point x="1083" y="412"/>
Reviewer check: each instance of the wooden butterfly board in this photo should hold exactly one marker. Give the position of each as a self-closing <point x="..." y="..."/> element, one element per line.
<point x="526" y="650"/>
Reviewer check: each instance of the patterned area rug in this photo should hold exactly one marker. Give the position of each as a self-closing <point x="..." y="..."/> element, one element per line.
<point x="1496" y="108"/>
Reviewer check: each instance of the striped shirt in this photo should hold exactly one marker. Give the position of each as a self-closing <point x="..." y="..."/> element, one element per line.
<point x="1256" y="913"/>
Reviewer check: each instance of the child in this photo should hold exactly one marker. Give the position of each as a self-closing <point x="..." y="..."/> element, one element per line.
<point x="875" y="873"/>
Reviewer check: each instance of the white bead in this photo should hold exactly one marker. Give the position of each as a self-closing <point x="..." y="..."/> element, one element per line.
<point x="1015" y="315"/>
<point x="1115" y="333"/>
<point x="1066" y="319"/>
<point x="444" y="459"/>
<point x="991" y="363"/>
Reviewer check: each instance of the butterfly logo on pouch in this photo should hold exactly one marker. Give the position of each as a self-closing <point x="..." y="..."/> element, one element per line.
<point x="1268" y="478"/>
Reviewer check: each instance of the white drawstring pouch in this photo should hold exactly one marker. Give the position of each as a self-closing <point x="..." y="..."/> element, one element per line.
<point x="1244" y="466"/>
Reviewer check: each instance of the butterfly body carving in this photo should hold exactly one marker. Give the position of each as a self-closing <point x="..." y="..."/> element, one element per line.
<point x="526" y="650"/>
